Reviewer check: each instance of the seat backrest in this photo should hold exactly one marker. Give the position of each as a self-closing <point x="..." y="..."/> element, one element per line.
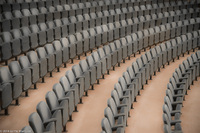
<point x="36" y="123"/>
<point x="109" y="115"/>
<point x="106" y="125"/>
<point x="112" y="47"/>
<point x="135" y="67"/>
<point x="95" y="56"/>
<point x="112" y="105"/>
<point x="24" y="62"/>
<point x="84" y="65"/>
<point x="90" y="61"/>
<point x="57" y="46"/>
<point x="32" y="56"/>
<point x="130" y="71"/>
<point x="14" y="67"/>
<point x="58" y="90"/>
<point x="43" y="111"/>
<point x="77" y="70"/>
<point x="5" y="75"/>
<point x="70" y="76"/>
<point x="51" y="100"/>
<point x="122" y="82"/>
<point x="127" y="77"/>
<point x="41" y="52"/>
<point x="101" y="53"/>
<point x="49" y="48"/>
<point x="139" y="62"/>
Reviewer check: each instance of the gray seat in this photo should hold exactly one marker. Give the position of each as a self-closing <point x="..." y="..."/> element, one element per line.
<point x="92" y="71"/>
<point x="73" y="89"/>
<point x="33" y="38"/>
<point x="37" y="125"/>
<point x="108" y="129"/>
<point x="42" y="55"/>
<point x="103" y="56"/>
<point x="96" y="65"/>
<point x="113" y="54"/>
<point x="72" y="47"/>
<point x="79" y="46"/>
<point x="97" y="58"/>
<point x="25" y="64"/>
<point x="58" y="55"/>
<point x="26" y="129"/>
<point x="139" y="72"/>
<point x="33" y="58"/>
<point x="126" y="47"/>
<point x="146" y="68"/>
<point x="64" y="50"/>
<point x="41" y="34"/>
<point x="158" y="57"/>
<point x="163" y="55"/>
<point x="55" y="105"/>
<point x="62" y="96"/>
<point x="86" y="40"/>
<point x="164" y="48"/>
<point x="76" y="82"/>
<point x="49" y="32"/>
<point x="16" y="69"/>
<point x="10" y="41"/>
<point x="81" y="74"/>
<point x="130" y="88"/>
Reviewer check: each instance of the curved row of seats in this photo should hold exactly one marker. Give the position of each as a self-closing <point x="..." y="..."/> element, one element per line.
<point x="52" y="56"/>
<point x="83" y="75"/>
<point x="19" y="41"/>
<point x="132" y="81"/>
<point x="25" y="17"/>
<point x="47" y="59"/>
<point x="177" y="88"/>
<point x="75" y="5"/>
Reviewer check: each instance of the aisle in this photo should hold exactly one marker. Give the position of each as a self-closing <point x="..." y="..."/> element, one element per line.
<point x="147" y="113"/>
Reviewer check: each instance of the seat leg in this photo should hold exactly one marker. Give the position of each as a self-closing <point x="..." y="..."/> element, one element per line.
<point x="108" y="72"/>
<point x="65" y="128"/>
<point x="150" y="77"/>
<point x="146" y="81"/>
<point x="132" y="106"/>
<point x="6" y="111"/>
<point x="168" y="63"/>
<point x="154" y="73"/>
<point x="16" y="58"/>
<point x="58" y="69"/>
<point x="85" y="54"/>
<point x="134" y="55"/>
<point x="183" y="54"/>
<point x="76" y="109"/>
<point x="124" y="60"/>
<point x="17" y="101"/>
<point x="103" y="77"/>
<point x="35" y="86"/>
<point x="86" y="93"/>
<point x="79" y="57"/>
<point x="135" y="100"/>
<point x="139" y="51"/>
<point x="144" y="49"/>
<point x="158" y="69"/>
<point x="163" y="66"/>
<point x="51" y="75"/>
<point x="142" y="87"/>
<point x="129" y="58"/>
<point x="92" y="87"/>
<point x="97" y="81"/>
<point x="178" y="57"/>
<point x="6" y="62"/>
<point x="65" y="65"/>
<point x="26" y="93"/>
<point x="70" y="118"/>
<point x="113" y="68"/>
<point x="72" y="61"/>
<point x="119" y="64"/>
<point x="43" y="81"/>
<point x="188" y="52"/>
<point x="81" y="101"/>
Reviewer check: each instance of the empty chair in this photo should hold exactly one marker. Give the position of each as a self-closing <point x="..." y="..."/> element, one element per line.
<point x="58" y="55"/>
<point x="65" y="51"/>
<point x="113" y="55"/>
<point x="33" y="58"/>
<point x="81" y="74"/>
<point x="92" y="71"/>
<point x="70" y="88"/>
<point x="102" y="56"/>
<point x="25" y="63"/>
<point x="55" y="105"/>
<point x="42" y="55"/>
<point x="61" y="95"/>
<point x="76" y="82"/>
<point x="16" y="69"/>
<point x="39" y="126"/>
<point x="14" y="80"/>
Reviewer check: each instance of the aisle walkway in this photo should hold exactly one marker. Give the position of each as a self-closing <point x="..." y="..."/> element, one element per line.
<point x="147" y="113"/>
